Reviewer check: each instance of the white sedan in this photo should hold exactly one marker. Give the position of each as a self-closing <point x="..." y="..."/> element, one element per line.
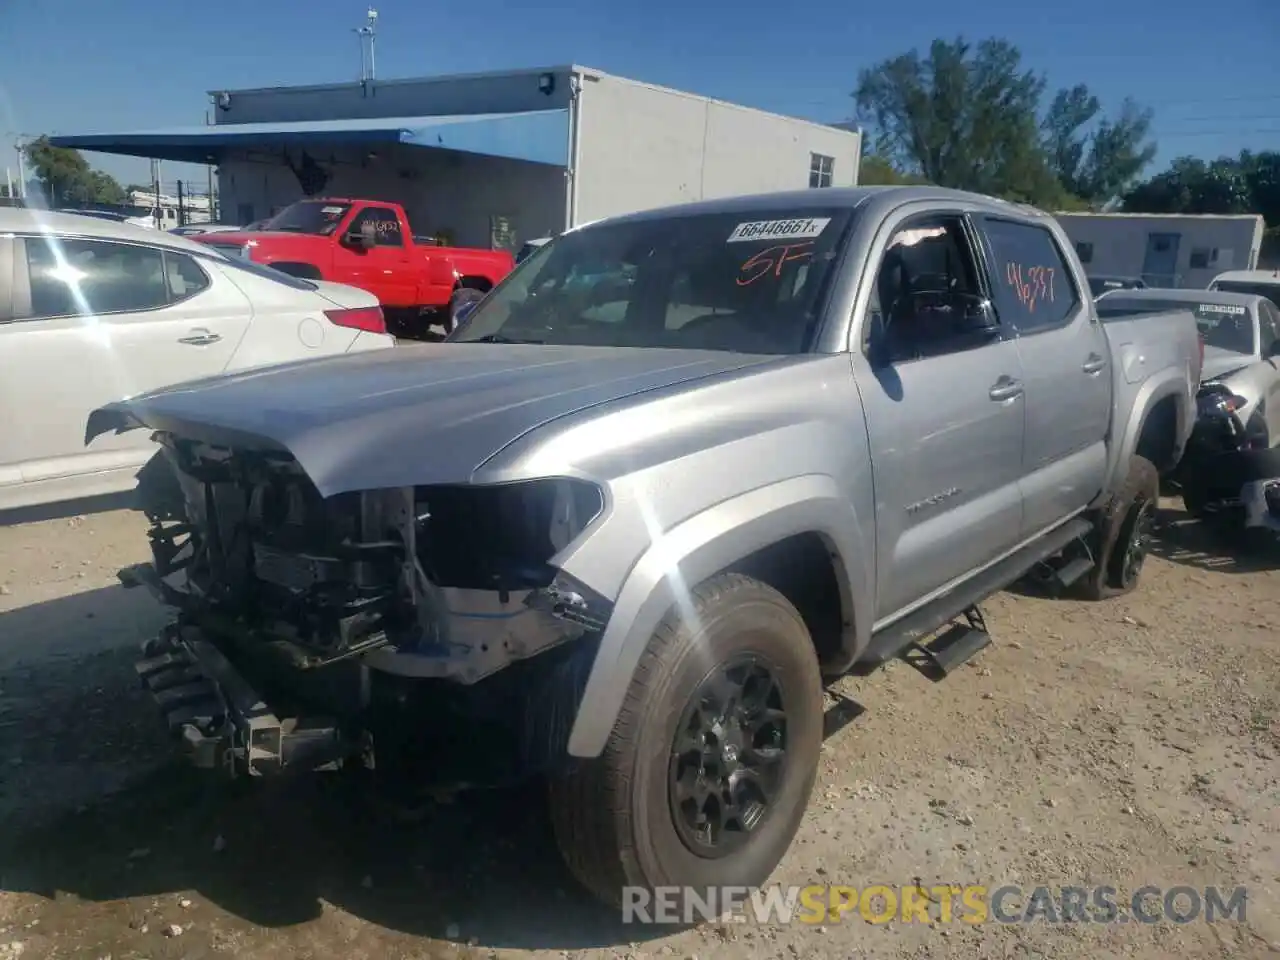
<point x="93" y="311"/>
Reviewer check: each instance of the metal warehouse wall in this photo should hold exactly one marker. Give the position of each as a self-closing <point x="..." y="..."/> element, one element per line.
<point x="441" y="96"/>
<point x="1120" y="243"/>
<point x="440" y="190"/>
<point x="642" y="146"/>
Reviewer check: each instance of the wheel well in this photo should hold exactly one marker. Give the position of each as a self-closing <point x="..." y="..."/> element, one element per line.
<point x="1156" y="439"/>
<point x="804" y="571"/>
<point x="482" y="284"/>
<point x="306" y="271"/>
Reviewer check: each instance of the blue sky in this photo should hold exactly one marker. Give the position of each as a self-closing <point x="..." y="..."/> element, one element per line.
<point x="1211" y="73"/>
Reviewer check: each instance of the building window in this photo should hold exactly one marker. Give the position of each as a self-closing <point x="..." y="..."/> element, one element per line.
<point x="1084" y="251"/>
<point x="1203" y="257"/>
<point x="820" y="170"/>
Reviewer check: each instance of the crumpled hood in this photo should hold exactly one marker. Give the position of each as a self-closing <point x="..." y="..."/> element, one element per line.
<point x="415" y="414"/>
<point x="1219" y="363"/>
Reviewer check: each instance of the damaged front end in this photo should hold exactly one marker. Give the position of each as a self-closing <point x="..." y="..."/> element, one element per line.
<point x="420" y="630"/>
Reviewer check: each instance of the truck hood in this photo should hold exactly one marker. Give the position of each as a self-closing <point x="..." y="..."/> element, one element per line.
<point x="1219" y="363"/>
<point x="412" y="415"/>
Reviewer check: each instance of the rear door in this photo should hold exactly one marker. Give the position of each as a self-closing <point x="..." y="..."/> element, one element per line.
<point x="1065" y="361"/>
<point x="944" y="415"/>
<point x="97" y="320"/>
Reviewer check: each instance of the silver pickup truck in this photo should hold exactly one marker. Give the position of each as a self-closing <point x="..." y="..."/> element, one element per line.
<point x="620" y="533"/>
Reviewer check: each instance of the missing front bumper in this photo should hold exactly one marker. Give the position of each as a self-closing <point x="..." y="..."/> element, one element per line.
<point x="221" y="721"/>
<point x="1261" y="502"/>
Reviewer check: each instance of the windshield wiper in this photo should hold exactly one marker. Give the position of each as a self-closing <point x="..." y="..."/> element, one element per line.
<point x="498" y="338"/>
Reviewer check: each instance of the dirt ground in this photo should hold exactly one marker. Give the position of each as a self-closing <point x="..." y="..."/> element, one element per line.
<point x="1123" y="743"/>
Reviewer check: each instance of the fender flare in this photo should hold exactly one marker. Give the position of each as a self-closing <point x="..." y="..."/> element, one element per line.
<point x="1167" y="383"/>
<point x="694" y="550"/>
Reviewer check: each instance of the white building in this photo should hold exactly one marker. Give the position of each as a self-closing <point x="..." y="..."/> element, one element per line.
<point x="494" y="158"/>
<point x="1165" y="250"/>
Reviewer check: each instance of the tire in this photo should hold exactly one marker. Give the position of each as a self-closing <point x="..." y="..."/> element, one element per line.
<point x="462" y="297"/>
<point x="1126" y="523"/>
<point x="616" y="817"/>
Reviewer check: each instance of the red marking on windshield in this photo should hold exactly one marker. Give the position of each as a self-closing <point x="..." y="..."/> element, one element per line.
<point x="771" y="261"/>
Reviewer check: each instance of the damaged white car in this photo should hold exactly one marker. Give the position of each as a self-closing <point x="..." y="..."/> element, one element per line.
<point x="1231" y="469"/>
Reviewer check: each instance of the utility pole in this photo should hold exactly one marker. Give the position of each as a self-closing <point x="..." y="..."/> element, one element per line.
<point x="22" y="169"/>
<point x="212" y="218"/>
<point x="368" y="65"/>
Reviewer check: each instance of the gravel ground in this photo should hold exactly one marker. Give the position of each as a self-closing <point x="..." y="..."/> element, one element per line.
<point x="1123" y="743"/>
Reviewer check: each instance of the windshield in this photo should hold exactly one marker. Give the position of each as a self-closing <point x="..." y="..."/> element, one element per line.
<point x="749" y="283"/>
<point x="1222" y="325"/>
<point x="309" y="216"/>
<point x="1269" y="290"/>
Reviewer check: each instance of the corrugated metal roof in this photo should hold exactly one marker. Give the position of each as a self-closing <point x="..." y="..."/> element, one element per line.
<point x="539" y="136"/>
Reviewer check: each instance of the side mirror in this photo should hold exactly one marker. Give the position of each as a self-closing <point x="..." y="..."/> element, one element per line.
<point x="357" y="240"/>
<point x="980" y="319"/>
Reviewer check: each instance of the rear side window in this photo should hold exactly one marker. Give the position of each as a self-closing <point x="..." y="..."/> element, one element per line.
<point x="72" y="278"/>
<point x="1033" y="289"/>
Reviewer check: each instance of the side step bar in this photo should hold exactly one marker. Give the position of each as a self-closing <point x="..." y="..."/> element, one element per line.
<point x="893" y="640"/>
<point x="956" y="645"/>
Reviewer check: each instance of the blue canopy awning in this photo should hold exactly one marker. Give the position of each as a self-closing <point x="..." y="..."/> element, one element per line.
<point x="539" y="136"/>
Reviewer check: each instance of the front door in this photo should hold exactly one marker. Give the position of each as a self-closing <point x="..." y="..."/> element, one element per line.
<point x="1066" y="365"/>
<point x="99" y="321"/>
<point x="944" y="415"/>
<point x="1160" y="264"/>
<point x="381" y="268"/>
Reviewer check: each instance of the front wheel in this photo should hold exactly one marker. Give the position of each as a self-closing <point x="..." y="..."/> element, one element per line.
<point x="1125" y="533"/>
<point x="705" y="778"/>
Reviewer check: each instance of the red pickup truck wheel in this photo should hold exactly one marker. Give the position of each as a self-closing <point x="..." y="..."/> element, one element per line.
<point x="462" y="297"/>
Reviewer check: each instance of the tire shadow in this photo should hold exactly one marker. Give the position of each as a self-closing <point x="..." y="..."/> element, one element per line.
<point x="1208" y="545"/>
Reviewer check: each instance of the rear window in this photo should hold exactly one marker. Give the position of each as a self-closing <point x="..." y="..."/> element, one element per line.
<point x="1269" y="290"/>
<point x="744" y="282"/>
<point x="1222" y="325"/>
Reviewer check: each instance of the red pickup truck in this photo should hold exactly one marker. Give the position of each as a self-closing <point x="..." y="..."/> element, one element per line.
<point x="369" y="245"/>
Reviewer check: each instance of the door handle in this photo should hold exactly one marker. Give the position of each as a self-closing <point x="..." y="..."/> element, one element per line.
<point x="200" y="338"/>
<point x="1094" y="364"/>
<point x="1006" y="388"/>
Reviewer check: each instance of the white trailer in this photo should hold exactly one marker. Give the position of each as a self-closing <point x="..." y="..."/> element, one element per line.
<point x="1165" y="250"/>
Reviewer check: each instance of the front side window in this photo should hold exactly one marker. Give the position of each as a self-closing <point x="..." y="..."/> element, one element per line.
<point x="1033" y="287"/>
<point x="927" y="300"/>
<point x="382" y="224"/>
<point x="748" y="283"/>
<point x="71" y="278"/>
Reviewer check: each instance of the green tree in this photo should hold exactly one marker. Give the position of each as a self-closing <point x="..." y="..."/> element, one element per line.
<point x="968" y="116"/>
<point x="65" y="177"/>
<point x="1095" y="159"/>
<point x="963" y="116"/>
<point x="1191" y="185"/>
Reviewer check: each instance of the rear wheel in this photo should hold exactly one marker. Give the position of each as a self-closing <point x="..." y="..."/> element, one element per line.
<point x="1126" y="528"/>
<point x="713" y="756"/>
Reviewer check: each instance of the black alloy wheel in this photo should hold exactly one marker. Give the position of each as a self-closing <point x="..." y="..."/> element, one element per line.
<point x="729" y="757"/>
